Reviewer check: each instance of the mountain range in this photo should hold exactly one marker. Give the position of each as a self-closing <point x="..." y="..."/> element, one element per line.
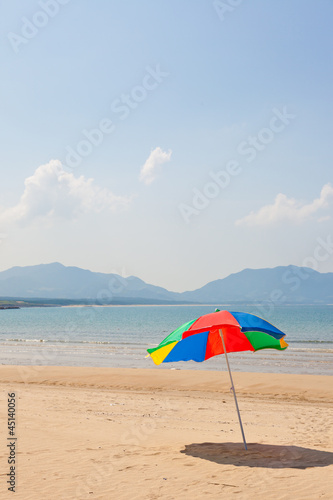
<point x="284" y="284"/>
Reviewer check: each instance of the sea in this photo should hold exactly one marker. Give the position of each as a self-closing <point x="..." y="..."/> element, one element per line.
<point x="118" y="336"/>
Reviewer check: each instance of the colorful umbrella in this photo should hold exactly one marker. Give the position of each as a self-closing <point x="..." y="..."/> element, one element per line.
<point x="217" y="333"/>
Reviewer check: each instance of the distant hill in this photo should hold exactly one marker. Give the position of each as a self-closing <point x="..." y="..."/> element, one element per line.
<point x="289" y="284"/>
<point x="55" y="281"/>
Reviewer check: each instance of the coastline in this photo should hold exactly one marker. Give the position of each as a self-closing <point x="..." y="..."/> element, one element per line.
<point x="112" y="354"/>
<point x="234" y="305"/>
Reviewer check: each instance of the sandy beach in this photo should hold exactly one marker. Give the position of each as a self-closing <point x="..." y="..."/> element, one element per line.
<point x="114" y="433"/>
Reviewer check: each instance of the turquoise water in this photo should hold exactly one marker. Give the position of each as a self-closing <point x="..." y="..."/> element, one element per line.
<point x="119" y="336"/>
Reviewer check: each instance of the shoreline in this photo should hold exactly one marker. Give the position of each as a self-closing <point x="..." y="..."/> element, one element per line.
<point x="47" y="353"/>
<point x="233" y="305"/>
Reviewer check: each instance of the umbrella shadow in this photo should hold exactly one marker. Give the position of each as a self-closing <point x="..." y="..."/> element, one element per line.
<point x="260" y="455"/>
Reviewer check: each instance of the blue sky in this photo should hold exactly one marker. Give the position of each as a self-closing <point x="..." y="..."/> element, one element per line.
<point x="183" y="93"/>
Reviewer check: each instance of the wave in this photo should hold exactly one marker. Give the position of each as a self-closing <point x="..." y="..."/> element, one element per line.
<point x="57" y="341"/>
<point x="309" y="341"/>
<point x="143" y="344"/>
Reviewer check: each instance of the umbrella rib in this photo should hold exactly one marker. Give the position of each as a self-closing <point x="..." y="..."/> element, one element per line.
<point x="233" y="390"/>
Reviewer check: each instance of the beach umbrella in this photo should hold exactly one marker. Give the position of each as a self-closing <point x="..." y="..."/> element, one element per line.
<point x="220" y="332"/>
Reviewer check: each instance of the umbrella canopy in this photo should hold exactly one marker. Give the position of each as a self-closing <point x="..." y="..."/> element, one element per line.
<point x="201" y="338"/>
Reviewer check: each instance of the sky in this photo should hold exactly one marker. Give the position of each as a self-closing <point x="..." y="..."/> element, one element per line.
<point x="178" y="142"/>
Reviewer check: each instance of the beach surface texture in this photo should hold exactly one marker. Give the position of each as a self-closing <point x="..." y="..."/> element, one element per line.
<point x="116" y="433"/>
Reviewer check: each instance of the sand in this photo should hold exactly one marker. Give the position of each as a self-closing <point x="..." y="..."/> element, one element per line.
<point x="107" y="433"/>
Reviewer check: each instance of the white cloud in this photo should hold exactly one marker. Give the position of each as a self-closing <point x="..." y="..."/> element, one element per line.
<point x="289" y="209"/>
<point x="53" y="192"/>
<point x="149" y="169"/>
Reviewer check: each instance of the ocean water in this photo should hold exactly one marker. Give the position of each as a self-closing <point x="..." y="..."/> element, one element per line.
<point x="118" y="336"/>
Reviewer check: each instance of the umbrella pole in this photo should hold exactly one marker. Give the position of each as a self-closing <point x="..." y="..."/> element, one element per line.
<point x="233" y="390"/>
